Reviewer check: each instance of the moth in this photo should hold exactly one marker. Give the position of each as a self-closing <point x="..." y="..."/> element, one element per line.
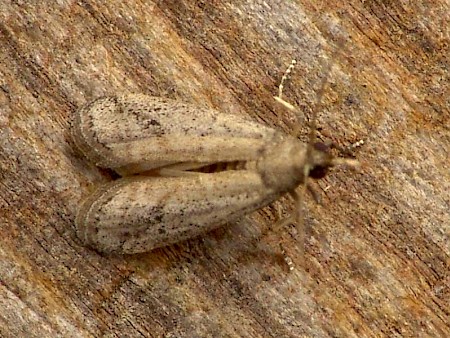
<point x="184" y="170"/>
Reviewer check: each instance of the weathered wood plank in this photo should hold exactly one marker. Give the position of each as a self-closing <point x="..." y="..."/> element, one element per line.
<point x="377" y="250"/>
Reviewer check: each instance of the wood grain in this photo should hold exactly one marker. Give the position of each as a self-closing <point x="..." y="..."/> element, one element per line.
<point x="377" y="248"/>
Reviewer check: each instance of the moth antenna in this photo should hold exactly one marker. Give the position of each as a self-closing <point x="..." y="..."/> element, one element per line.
<point x="285" y="77"/>
<point x="279" y="97"/>
<point x="287" y="259"/>
<point x="320" y="94"/>
<point x="349" y="149"/>
<point x="318" y="106"/>
<point x="298" y="218"/>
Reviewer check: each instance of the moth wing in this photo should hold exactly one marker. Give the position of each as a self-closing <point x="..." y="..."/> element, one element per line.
<point x="135" y="133"/>
<point x="138" y="214"/>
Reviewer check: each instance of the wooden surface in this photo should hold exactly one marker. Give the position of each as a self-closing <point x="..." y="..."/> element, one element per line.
<point x="377" y="249"/>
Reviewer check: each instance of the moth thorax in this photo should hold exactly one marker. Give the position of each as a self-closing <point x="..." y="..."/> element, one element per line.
<point x="282" y="166"/>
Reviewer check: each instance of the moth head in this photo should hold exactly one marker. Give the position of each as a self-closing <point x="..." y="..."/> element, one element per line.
<point x="320" y="160"/>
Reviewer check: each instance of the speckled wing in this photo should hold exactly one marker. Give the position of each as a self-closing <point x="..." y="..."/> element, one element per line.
<point x="136" y="133"/>
<point x="139" y="213"/>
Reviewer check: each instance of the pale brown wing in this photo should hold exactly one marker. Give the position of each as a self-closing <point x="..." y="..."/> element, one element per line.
<point x="135" y="133"/>
<point x="139" y="213"/>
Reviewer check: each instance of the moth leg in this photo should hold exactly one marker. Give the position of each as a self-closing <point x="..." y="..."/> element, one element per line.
<point x="300" y="219"/>
<point x="282" y="222"/>
<point x="314" y="193"/>
<point x="296" y="217"/>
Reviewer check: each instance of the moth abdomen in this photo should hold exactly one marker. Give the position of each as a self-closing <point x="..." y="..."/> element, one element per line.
<point x="222" y="166"/>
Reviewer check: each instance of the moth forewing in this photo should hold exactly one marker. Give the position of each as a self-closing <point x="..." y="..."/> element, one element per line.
<point x="135" y="133"/>
<point x="137" y="214"/>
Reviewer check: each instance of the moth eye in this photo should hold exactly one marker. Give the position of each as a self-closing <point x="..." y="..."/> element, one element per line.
<point x="320" y="146"/>
<point x="318" y="172"/>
